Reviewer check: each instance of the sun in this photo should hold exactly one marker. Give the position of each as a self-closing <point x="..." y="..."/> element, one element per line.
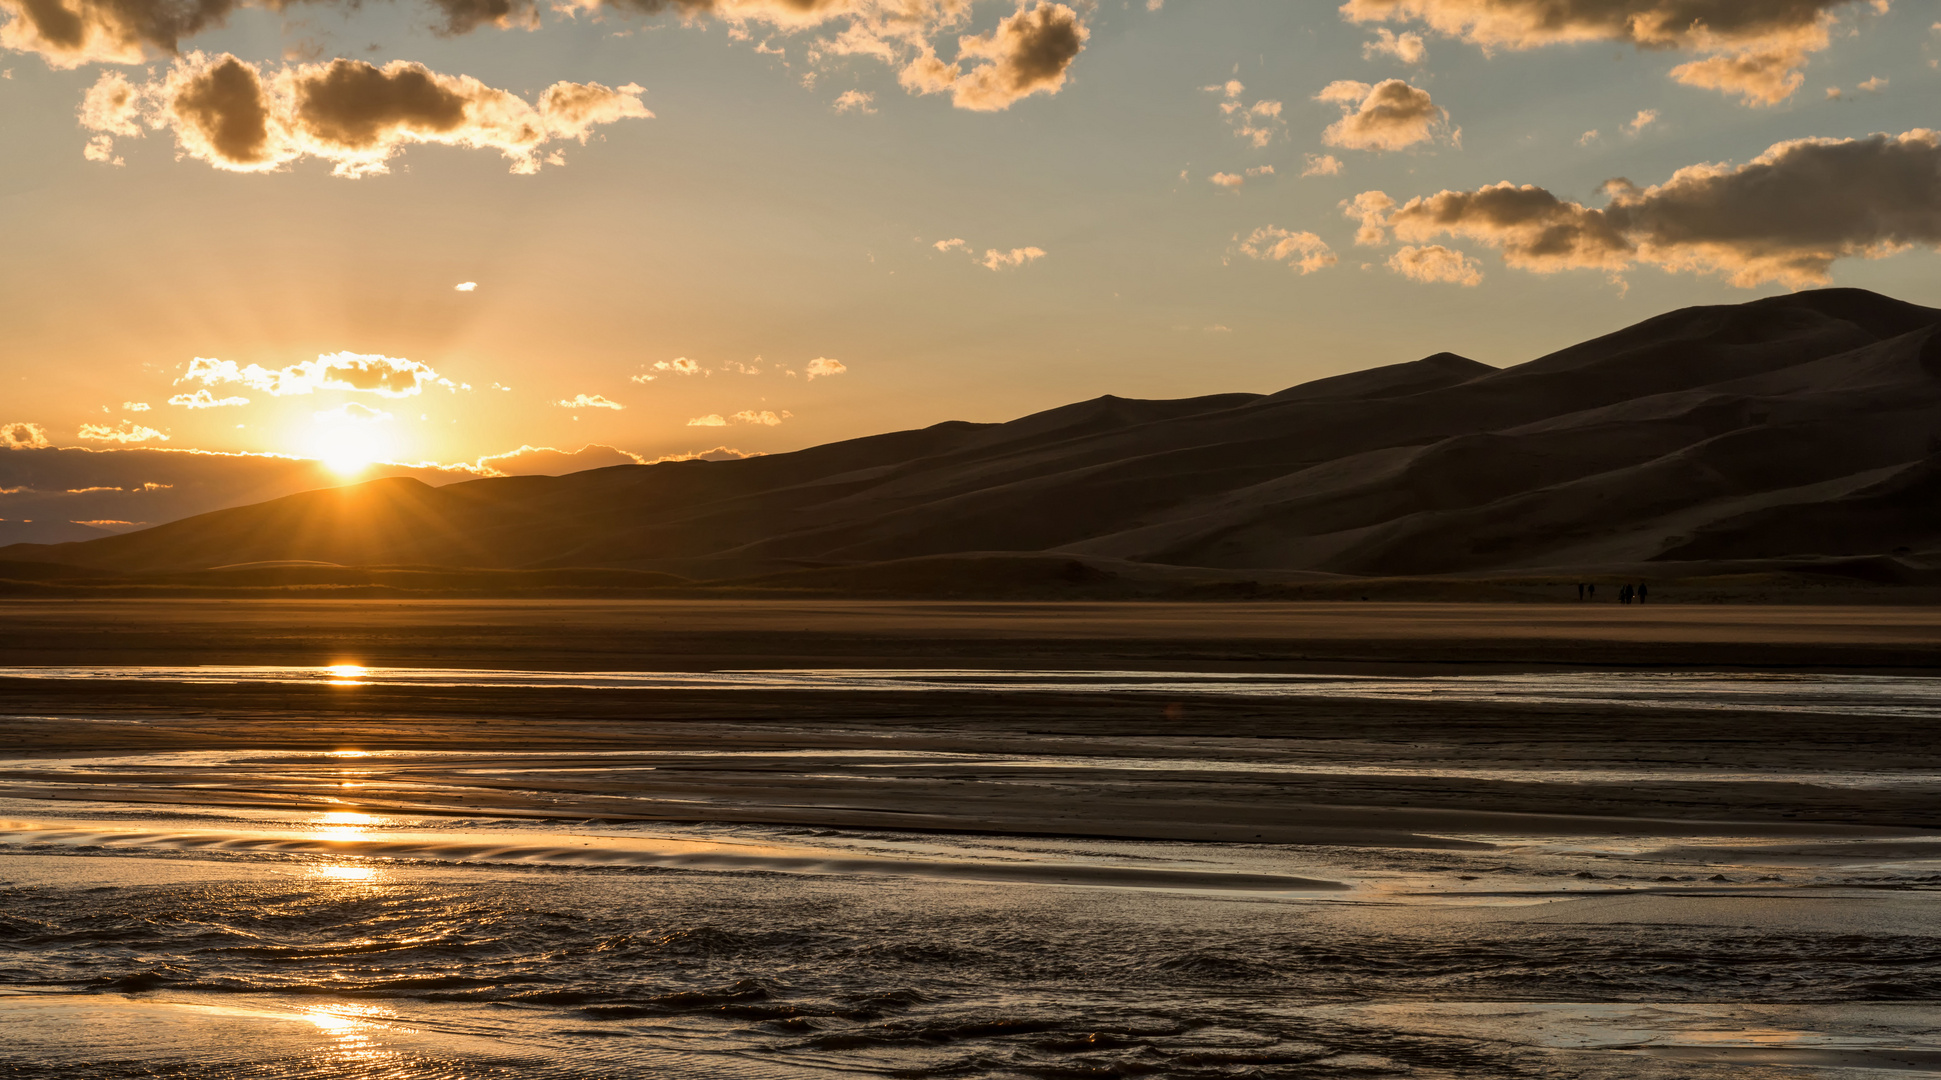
<point x="348" y="449"/>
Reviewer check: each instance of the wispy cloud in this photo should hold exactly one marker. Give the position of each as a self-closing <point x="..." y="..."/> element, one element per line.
<point x="1303" y="251"/>
<point x="589" y="401"/>
<point x="203" y="399"/>
<point x="126" y="432"/>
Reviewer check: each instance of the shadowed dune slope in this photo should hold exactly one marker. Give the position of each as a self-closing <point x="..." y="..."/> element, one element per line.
<point x="1793" y="426"/>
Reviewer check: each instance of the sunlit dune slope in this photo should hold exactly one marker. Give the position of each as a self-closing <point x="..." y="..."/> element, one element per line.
<point x="1794" y="426"/>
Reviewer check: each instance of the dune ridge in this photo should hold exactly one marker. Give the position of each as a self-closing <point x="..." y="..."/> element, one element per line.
<point x="1795" y="428"/>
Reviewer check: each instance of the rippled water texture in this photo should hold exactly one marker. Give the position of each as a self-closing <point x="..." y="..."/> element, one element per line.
<point x="461" y="913"/>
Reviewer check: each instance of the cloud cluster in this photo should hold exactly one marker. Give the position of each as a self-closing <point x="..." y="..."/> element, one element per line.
<point x="1753" y="48"/>
<point x="127" y="432"/>
<point x="384" y="376"/>
<point x="1321" y="165"/>
<point x="203" y="399"/>
<point x="23" y="436"/>
<point x="1389" y="115"/>
<point x="1301" y="251"/>
<point x="234" y="115"/>
<point x="1786" y="216"/>
<point x="589" y="401"/>
<point x="1257" y="123"/>
<point x="1007" y="260"/>
<point x="1029" y="53"/>
<point x="1408" y="48"/>
<point x="823" y="367"/>
<point x="763" y="417"/>
<point x="1433" y="262"/>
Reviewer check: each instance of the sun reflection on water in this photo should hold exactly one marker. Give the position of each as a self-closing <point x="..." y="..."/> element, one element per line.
<point x="346" y="674"/>
<point x="340" y="872"/>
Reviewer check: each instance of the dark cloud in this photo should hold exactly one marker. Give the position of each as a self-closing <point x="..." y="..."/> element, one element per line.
<point x="1028" y="53"/>
<point x="68" y="33"/>
<point x="356" y="115"/>
<point x="1755" y="47"/>
<point x="1786" y="216"/>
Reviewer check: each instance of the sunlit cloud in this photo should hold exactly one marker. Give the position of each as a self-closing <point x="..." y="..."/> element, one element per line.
<point x="763" y="417"/>
<point x="710" y="420"/>
<point x="1406" y="47"/>
<point x="1302" y="251"/>
<point x="385" y="376"/>
<point x="134" y="406"/>
<point x="1433" y="262"/>
<point x="23" y="436"/>
<point x="855" y="101"/>
<point x="1786" y="216"/>
<point x="1009" y="260"/>
<point x="1389" y="115"/>
<point x="1644" y="119"/>
<point x="234" y="115"/>
<point x="203" y="399"/>
<point x="1321" y="165"/>
<point x="823" y="367"/>
<point x="1029" y="53"/>
<point x="1227" y="180"/>
<point x="1258" y="123"/>
<point x="1754" y="48"/>
<point x="126" y="432"/>
<point x="589" y="401"/>
<point x="680" y="365"/>
<point x="466" y="286"/>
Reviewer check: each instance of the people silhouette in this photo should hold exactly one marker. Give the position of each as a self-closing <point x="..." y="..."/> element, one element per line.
<point x="1624" y="595"/>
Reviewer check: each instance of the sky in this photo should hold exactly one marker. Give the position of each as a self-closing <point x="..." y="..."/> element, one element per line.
<point x="437" y="232"/>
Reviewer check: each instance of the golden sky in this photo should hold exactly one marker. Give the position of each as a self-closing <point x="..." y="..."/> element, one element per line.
<point x="431" y="232"/>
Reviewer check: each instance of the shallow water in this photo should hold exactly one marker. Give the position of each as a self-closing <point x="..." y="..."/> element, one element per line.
<point x="359" y="945"/>
<point x="356" y="914"/>
<point x="1857" y="695"/>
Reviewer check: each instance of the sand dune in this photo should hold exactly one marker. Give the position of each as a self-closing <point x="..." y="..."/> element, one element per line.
<point x="1788" y="428"/>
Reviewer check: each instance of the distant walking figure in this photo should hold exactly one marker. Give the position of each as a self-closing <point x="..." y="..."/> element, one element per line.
<point x="1580" y="591"/>
<point x="1624" y="595"/>
<point x="1591" y="591"/>
<point x="1640" y="592"/>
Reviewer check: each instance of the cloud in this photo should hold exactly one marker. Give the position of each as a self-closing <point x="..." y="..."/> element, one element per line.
<point x="1260" y="170"/>
<point x="1302" y="251"/>
<point x="1408" y="48"/>
<point x="589" y="401"/>
<point x="1786" y="216"/>
<point x="1370" y="209"/>
<point x="998" y="260"/>
<point x="1759" y="77"/>
<point x="643" y="378"/>
<point x="856" y="101"/>
<point x="680" y="365"/>
<point x="466" y="286"/>
<point x="1321" y="165"/>
<point x="1753" y="47"/>
<point x="385" y="376"/>
<point x="1028" y="53"/>
<point x="823" y="367"/>
<point x="135" y="406"/>
<point x="1434" y="262"/>
<point x="1644" y="119"/>
<point x="1588" y="137"/>
<point x="1390" y="115"/>
<point x="127" y="432"/>
<point x="710" y="420"/>
<point x="954" y="243"/>
<point x="719" y="453"/>
<point x="236" y="116"/>
<point x="547" y="461"/>
<point x="764" y="417"/>
<point x="351" y="412"/>
<point x="23" y="436"/>
<point x="203" y="399"/>
<point x="1227" y="179"/>
<point x="1874" y="85"/>
<point x="1257" y="123"/>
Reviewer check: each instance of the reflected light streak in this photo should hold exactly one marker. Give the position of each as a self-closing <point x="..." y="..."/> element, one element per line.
<point x="346" y="674"/>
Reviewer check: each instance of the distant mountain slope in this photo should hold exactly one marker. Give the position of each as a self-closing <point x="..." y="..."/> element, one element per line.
<point x="1791" y="426"/>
